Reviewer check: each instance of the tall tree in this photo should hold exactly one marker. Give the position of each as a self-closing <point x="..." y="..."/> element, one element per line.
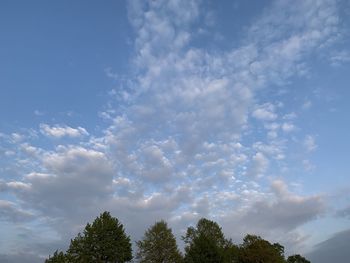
<point x="158" y="245"/>
<point x="205" y="228"/>
<point x="103" y="241"/>
<point x="58" y="257"/>
<point x="231" y="252"/>
<point x="205" y="243"/>
<point x="297" y="259"/>
<point x="257" y="250"/>
<point x="203" y="250"/>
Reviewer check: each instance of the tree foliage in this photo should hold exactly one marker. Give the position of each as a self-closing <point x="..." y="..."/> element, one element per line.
<point x="205" y="242"/>
<point x="202" y="250"/>
<point x="205" y="229"/>
<point x="297" y="259"/>
<point x="158" y="245"/>
<point x="257" y="250"/>
<point x="58" y="257"/>
<point x="105" y="241"/>
<point x="231" y="252"/>
<point x="102" y="241"/>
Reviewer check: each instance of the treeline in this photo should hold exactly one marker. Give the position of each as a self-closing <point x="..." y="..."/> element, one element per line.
<point x="105" y="241"/>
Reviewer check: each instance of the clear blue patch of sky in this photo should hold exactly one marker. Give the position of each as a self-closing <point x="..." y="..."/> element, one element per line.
<point x="53" y="56"/>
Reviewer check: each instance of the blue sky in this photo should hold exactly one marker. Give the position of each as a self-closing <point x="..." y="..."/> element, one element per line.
<point x="232" y="110"/>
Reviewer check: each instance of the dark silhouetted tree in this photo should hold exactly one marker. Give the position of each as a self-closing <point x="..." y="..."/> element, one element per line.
<point x="231" y="252"/>
<point x="257" y="250"/>
<point x="208" y="229"/>
<point x="203" y="250"/>
<point x="206" y="243"/>
<point x="297" y="259"/>
<point x="58" y="257"/>
<point x="158" y="245"/>
<point x="103" y="241"/>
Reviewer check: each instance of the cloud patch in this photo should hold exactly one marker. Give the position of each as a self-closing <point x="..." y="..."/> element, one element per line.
<point x="274" y="214"/>
<point x="310" y="143"/>
<point x="10" y="212"/>
<point x="265" y="112"/>
<point x="59" y="131"/>
<point x="345" y="212"/>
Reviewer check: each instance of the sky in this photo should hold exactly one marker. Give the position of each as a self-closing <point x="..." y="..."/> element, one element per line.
<point x="236" y="111"/>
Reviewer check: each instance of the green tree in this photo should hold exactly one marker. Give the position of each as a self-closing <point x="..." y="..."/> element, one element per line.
<point x="203" y="250"/>
<point x="158" y="245"/>
<point x="206" y="243"/>
<point x="297" y="259"/>
<point x="231" y="252"/>
<point x="257" y="250"/>
<point x="103" y="241"/>
<point x="58" y="257"/>
<point x="208" y="229"/>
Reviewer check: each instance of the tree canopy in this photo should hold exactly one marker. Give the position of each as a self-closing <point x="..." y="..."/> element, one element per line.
<point x="206" y="229"/>
<point x="206" y="243"/>
<point x="58" y="257"/>
<point x="257" y="250"/>
<point x="297" y="259"/>
<point x="202" y="250"/>
<point x="102" y="241"/>
<point x="158" y="245"/>
<point x="105" y="241"/>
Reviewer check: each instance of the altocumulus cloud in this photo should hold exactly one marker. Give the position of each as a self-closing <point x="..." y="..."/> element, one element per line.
<point x="58" y="131"/>
<point x="179" y="148"/>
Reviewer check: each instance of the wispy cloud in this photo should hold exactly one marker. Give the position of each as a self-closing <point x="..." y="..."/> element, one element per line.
<point x="265" y="112"/>
<point x="310" y="143"/>
<point x="340" y="57"/>
<point x="59" y="131"/>
<point x="10" y="212"/>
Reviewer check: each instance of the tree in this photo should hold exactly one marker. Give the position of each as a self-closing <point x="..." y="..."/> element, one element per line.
<point x="203" y="250"/>
<point x="257" y="250"/>
<point x="158" y="245"/>
<point x="231" y="252"/>
<point x="58" y="257"/>
<point x="205" y="243"/>
<point x="208" y="229"/>
<point x="297" y="259"/>
<point x="103" y="241"/>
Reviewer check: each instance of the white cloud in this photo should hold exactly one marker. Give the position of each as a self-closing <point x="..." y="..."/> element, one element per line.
<point x="15" y="185"/>
<point x="111" y="75"/>
<point x="276" y="215"/>
<point x="58" y="131"/>
<point x="288" y="127"/>
<point x="310" y="143"/>
<point x="290" y="116"/>
<point x="20" y="258"/>
<point x="274" y="149"/>
<point x="258" y="165"/>
<point x="9" y="212"/>
<point x="345" y="212"/>
<point x="265" y="112"/>
<point x="307" y="105"/>
<point x="75" y="179"/>
<point x="308" y="166"/>
<point x="30" y="150"/>
<point x="16" y="137"/>
<point x="339" y="57"/>
<point x="39" y="113"/>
